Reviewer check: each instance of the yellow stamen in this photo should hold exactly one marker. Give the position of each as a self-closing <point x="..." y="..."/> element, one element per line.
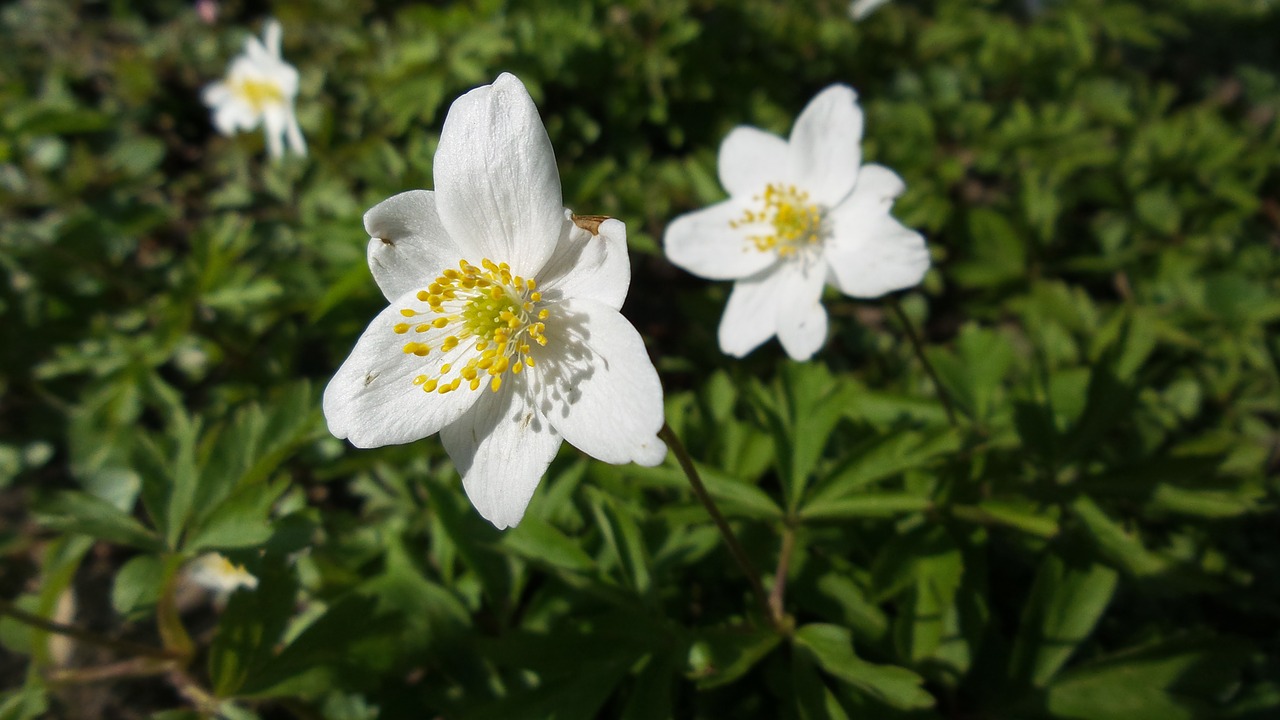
<point x="258" y="94"/>
<point x="790" y="220"/>
<point x="485" y="319"/>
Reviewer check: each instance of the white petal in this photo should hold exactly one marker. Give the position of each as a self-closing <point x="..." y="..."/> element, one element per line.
<point x="870" y="253"/>
<point x="876" y="189"/>
<point x="826" y="145"/>
<point x="802" y="321"/>
<point x="704" y="243"/>
<point x="761" y="305"/>
<point x="859" y="9"/>
<point x="501" y="447"/>
<point x="273" y="123"/>
<point x="233" y="116"/>
<point x="751" y="158"/>
<point x="586" y="266"/>
<point x="372" y="399"/>
<point x="408" y="246"/>
<point x="293" y="133"/>
<point x="597" y="386"/>
<point x="215" y="94"/>
<point x="497" y="186"/>
<point x="271" y="33"/>
<point x="750" y="317"/>
<point x="255" y="52"/>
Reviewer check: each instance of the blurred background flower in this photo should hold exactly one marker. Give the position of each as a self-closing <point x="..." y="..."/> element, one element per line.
<point x="259" y="89"/>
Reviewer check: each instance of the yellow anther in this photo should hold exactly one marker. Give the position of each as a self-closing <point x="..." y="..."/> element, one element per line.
<point x="490" y="319"/>
<point x="790" y="221"/>
<point x="258" y="93"/>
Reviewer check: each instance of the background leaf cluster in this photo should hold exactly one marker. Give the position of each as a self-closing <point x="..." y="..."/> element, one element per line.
<point x="1094" y="537"/>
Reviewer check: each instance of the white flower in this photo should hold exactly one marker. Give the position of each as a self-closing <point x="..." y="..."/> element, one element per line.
<point x="260" y="87"/>
<point x="800" y="213"/>
<point x="503" y="332"/>
<point x="214" y="572"/>
<point x="859" y="9"/>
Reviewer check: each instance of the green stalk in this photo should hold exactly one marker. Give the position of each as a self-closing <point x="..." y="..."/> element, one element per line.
<point x="735" y="548"/>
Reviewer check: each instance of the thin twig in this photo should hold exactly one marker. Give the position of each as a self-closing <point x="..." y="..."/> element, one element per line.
<point x="910" y="329"/>
<point x="778" y="594"/>
<point x="735" y="548"/>
<point x="132" y="668"/>
<point x="87" y="636"/>
<point x="202" y="700"/>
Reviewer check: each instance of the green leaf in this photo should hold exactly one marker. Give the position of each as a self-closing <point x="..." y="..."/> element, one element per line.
<point x="720" y="656"/>
<point x="540" y="542"/>
<point x="623" y="537"/>
<point x="814" y="403"/>
<point x="1019" y="514"/>
<point x="1114" y="542"/>
<point x="814" y="700"/>
<point x="650" y="697"/>
<point x="1067" y="600"/>
<point x="736" y="498"/>
<point x="863" y="506"/>
<point x="253" y="622"/>
<point x="832" y="648"/>
<point x="138" y="584"/>
<point x="999" y="251"/>
<point x="242" y="520"/>
<point x="883" y="457"/>
<point x="1180" y="680"/>
<point x="80" y="513"/>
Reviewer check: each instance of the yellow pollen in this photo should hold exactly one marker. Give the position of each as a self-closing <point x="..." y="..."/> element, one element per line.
<point x="482" y="319"/>
<point x="790" y="221"/>
<point x="258" y="94"/>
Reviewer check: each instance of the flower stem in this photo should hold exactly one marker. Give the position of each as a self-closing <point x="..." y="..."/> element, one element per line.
<point x="735" y="548"/>
<point x="776" y="597"/>
<point x="172" y="633"/>
<point x="85" y="636"/>
<point x="910" y="329"/>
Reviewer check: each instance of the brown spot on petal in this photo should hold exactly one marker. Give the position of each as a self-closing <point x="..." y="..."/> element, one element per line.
<point x="590" y="223"/>
<point x="387" y="241"/>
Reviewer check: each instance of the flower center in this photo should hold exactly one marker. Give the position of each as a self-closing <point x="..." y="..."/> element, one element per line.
<point x="485" y="308"/>
<point x="790" y="221"/>
<point x="258" y="93"/>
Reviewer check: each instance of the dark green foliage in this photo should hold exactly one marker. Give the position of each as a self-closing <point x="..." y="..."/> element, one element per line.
<point x="1094" y="537"/>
